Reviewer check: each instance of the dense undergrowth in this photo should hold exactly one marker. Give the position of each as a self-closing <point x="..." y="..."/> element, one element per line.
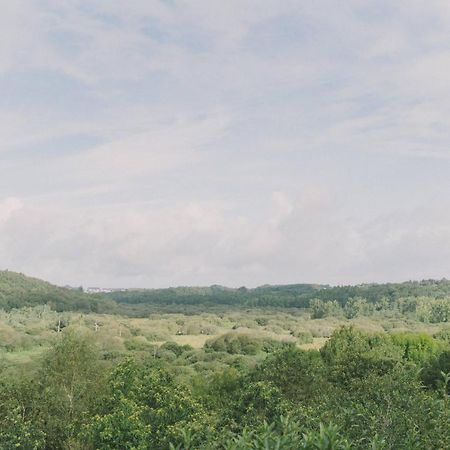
<point x="353" y="372"/>
<point x="361" y="390"/>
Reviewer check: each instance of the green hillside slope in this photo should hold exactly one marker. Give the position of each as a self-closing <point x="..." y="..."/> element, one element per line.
<point x="18" y="290"/>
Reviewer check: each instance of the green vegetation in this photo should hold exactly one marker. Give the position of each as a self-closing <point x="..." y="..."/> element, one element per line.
<point x="18" y="290"/>
<point x="429" y="299"/>
<point x="215" y="368"/>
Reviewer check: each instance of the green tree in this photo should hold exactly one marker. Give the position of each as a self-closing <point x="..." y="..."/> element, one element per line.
<point x="145" y="409"/>
<point x="357" y="306"/>
<point x="320" y="308"/>
<point x="71" y="382"/>
<point x="20" y="425"/>
<point x="352" y="353"/>
<point x="297" y="373"/>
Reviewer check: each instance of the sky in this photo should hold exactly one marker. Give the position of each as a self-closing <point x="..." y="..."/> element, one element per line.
<point x="150" y="143"/>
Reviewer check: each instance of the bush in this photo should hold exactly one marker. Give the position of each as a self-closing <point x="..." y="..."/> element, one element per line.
<point x="297" y="373"/>
<point x="138" y="343"/>
<point x="304" y="337"/>
<point x="242" y="343"/>
<point x="176" y="348"/>
<point x="417" y="347"/>
<point x="443" y="335"/>
<point x="321" y="308"/>
<point x="351" y="353"/>
<point x="284" y="433"/>
<point x="145" y="409"/>
<point x="432" y="374"/>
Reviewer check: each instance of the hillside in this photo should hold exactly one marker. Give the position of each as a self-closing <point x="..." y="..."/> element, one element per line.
<point x="293" y="295"/>
<point x="144" y="301"/>
<point x="17" y="290"/>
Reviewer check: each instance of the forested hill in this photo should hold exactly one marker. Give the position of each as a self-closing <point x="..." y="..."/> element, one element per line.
<point x="284" y="296"/>
<point x="295" y="295"/>
<point x="18" y="290"/>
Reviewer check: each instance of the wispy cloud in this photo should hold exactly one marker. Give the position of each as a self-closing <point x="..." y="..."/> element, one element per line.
<point x="156" y="142"/>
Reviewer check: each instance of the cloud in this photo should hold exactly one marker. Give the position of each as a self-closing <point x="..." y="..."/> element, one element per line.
<point x="155" y="143"/>
<point x="199" y="243"/>
<point x="8" y="207"/>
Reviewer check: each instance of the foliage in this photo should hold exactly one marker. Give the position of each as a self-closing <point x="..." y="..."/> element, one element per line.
<point x="287" y="434"/>
<point x="144" y="410"/>
<point x="70" y="380"/>
<point x="353" y="354"/>
<point x="321" y="308"/>
<point x="20" y="428"/>
<point x="241" y="343"/>
<point x="217" y="368"/>
<point x="324" y="300"/>
<point x="417" y="347"/>
<point x="297" y="373"/>
<point x="18" y="290"/>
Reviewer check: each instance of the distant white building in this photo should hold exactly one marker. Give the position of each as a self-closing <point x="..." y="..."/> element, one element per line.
<point x="97" y="290"/>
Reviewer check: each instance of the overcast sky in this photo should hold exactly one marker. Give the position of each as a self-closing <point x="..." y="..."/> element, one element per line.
<point x="238" y="142"/>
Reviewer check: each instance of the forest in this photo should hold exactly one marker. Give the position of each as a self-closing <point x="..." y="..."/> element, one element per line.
<point x="275" y="367"/>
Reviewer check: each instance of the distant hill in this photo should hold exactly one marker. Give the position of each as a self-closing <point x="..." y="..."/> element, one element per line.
<point x="293" y="295"/>
<point x="17" y="290"/>
<point x="282" y="296"/>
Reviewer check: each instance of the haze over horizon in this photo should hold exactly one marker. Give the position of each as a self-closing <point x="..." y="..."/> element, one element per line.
<point x="162" y="143"/>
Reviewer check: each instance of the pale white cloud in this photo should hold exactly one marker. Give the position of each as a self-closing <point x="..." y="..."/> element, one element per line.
<point x="197" y="243"/>
<point x="153" y="151"/>
<point x="8" y="207"/>
<point x="241" y="142"/>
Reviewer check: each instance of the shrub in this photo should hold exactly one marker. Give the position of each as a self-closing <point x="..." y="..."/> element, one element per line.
<point x="351" y="353"/>
<point x="176" y="348"/>
<point x="138" y="343"/>
<point x="321" y="308"/>
<point x="304" y="337"/>
<point x="417" y="347"/>
<point x="242" y="343"/>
